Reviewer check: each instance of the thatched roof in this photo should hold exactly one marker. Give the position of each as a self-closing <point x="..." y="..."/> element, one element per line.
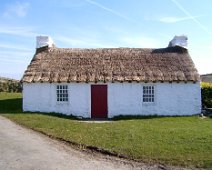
<point x="110" y="65"/>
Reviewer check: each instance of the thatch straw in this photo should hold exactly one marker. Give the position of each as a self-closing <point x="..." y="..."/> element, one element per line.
<point x="110" y="65"/>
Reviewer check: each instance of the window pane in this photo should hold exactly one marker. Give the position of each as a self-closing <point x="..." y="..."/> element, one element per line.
<point x="148" y="93"/>
<point x="62" y="93"/>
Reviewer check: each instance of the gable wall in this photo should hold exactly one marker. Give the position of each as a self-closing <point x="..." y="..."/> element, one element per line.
<point x="123" y="98"/>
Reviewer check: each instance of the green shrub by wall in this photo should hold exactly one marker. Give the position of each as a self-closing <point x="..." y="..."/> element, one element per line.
<point x="206" y="94"/>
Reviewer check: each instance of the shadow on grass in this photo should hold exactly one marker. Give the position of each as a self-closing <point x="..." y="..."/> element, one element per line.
<point x="133" y="117"/>
<point x="53" y="114"/>
<point x="11" y="105"/>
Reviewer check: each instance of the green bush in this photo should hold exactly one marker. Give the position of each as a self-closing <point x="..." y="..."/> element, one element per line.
<point x="10" y="86"/>
<point x="206" y="95"/>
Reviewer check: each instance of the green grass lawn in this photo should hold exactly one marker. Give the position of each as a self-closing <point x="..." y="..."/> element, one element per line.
<point x="184" y="141"/>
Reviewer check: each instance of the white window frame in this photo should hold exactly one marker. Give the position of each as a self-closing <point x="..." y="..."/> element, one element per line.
<point x="62" y="93"/>
<point x="148" y="94"/>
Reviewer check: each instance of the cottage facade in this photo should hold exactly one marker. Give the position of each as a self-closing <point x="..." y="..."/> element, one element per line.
<point x="103" y="83"/>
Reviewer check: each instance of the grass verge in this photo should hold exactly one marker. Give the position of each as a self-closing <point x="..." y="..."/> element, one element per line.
<point x="182" y="141"/>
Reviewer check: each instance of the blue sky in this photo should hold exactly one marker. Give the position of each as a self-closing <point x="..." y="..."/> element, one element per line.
<point x="102" y="23"/>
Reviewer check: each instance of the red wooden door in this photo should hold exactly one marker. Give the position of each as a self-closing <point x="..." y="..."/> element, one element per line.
<point x="98" y="101"/>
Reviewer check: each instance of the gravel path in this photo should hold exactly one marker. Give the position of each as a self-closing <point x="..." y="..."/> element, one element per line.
<point x="24" y="149"/>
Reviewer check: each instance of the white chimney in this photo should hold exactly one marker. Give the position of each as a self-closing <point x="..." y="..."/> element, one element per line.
<point x="43" y="41"/>
<point x="180" y="40"/>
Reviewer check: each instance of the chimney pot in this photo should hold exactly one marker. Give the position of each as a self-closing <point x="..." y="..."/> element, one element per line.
<point x="180" y="40"/>
<point x="43" y="41"/>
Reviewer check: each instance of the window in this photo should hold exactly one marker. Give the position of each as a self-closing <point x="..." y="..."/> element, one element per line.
<point x="148" y="94"/>
<point x="62" y="93"/>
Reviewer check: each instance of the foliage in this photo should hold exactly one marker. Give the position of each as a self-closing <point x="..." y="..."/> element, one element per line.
<point x="9" y="85"/>
<point x="206" y="94"/>
<point x="183" y="141"/>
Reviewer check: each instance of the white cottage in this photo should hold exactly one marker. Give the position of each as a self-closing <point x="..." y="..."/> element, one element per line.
<point x="106" y="82"/>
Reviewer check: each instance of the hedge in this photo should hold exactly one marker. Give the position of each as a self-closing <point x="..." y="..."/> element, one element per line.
<point x="206" y="95"/>
<point x="10" y="86"/>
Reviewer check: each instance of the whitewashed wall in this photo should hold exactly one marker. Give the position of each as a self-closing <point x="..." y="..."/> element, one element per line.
<point x="42" y="97"/>
<point x="123" y="98"/>
<point x="170" y="99"/>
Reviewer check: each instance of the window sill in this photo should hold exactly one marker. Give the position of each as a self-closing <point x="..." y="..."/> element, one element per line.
<point x="62" y="102"/>
<point x="148" y="104"/>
